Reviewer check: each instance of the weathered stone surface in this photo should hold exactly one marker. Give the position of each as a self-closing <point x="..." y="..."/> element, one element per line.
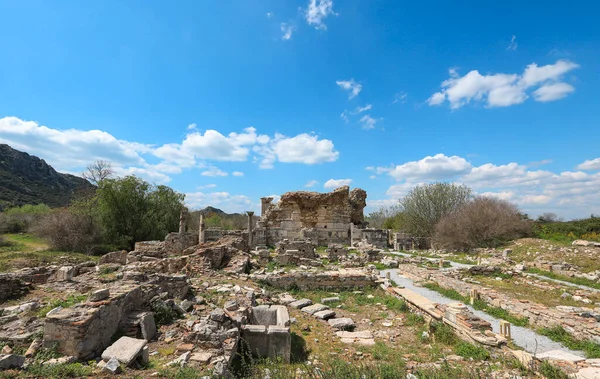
<point x="202" y="357"/>
<point x="99" y="295"/>
<point x="343" y="323"/>
<point x="299" y="304"/>
<point x="181" y="360"/>
<point x="326" y="300"/>
<point x="312" y="309"/>
<point x="559" y="355"/>
<point x="588" y="373"/>
<point x="125" y="350"/>
<point x="11" y="287"/>
<point x="113" y="366"/>
<point x="147" y="326"/>
<point x="342" y="279"/>
<point x="119" y="257"/>
<point x="65" y="274"/>
<point x="9" y="361"/>
<point x="325" y="314"/>
<point x="585" y="243"/>
<point x="60" y="361"/>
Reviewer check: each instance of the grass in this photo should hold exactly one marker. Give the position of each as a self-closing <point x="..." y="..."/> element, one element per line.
<point x="26" y="250"/>
<point x="574" y="280"/>
<point x="559" y="334"/>
<point x="471" y="351"/>
<point x="63" y="302"/>
<point x="180" y="373"/>
<point x="71" y="370"/>
<point x="551" y="372"/>
<point x="479" y="305"/>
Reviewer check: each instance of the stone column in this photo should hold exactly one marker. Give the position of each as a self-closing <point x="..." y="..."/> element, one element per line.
<point x="264" y="204"/>
<point x="182" y="221"/>
<point x="505" y="329"/>
<point x="250" y="222"/>
<point x="201" y="230"/>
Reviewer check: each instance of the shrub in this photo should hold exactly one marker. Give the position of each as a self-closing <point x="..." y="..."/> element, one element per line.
<point x="21" y="219"/>
<point x="483" y="222"/>
<point x="68" y="231"/>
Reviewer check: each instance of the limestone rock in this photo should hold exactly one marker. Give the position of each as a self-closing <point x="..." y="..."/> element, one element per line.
<point x="312" y="309"/>
<point x="125" y="350"/>
<point x="325" y="314"/>
<point x="113" y="366"/>
<point x="343" y="323"/>
<point x="299" y="304"/>
<point x="326" y="300"/>
<point x="99" y="295"/>
<point x="8" y="361"/>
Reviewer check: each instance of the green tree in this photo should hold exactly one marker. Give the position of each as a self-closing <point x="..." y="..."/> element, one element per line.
<point x="425" y="205"/>
<point x="130" y="209"/>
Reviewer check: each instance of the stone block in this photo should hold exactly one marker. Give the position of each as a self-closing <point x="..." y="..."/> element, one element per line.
<point x="312" y="309"/>
<point x="343" y="323"/>
<point x="119" y="257"/>
<point x="280" y="343"/>
<point x="113" y="366"/>
<point x="326" y="300"/>
<point x="125" y="350"/>
<point x="325" y="315"/>
<point x="65" y="274"/>
<point x="99" y="295"/>
<point x="299" y="304"/>
<point x="147" y="326"/>
<point x="8" y="361"/>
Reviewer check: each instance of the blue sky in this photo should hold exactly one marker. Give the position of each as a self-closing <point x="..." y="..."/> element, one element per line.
<point x="228" y="101"/>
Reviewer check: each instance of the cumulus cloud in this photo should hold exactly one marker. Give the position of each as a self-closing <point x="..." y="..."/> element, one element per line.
<point x="317" y="12"/>
<point x="571" y="194"/>
<point x="206" y="186"/>
<point x="592" y="164"/>
<point x="311" y="183"/>
<point x="237" y="173"/>
<point x="336" y="183"/>
<point x="502" y="90"/>
<point x="222" y="200"/>
<point x="213" y="171"/>
<point x="72" y="150"/>
<point x="351" y="85"/>
<point x="437" y="167"/>
<point x="287" y="31"/>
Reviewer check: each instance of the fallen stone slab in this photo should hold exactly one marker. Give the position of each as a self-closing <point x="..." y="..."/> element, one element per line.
<point x="125" y="350"/>
<point x="312" y="309"/>
<point x="8" y="361"/>
<point x="299" y="304"/>
<point x="359" y="341"/>
<point x="343" y="323"/>
<point x="588" y="373"/>
<point x="326" y="300"/>
<point x="285" y="299"/>
<point x="325" y="314"/>
<point x="559" y="355"/>
<point x="60" y="361"/>
<point x="113" y="366"/>
<point x="201" y="357"/>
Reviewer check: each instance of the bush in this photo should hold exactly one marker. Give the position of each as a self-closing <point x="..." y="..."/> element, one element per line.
<point x="68" y="231"/>
<point x="21" y="219"/>
<point x="483" y="222"/>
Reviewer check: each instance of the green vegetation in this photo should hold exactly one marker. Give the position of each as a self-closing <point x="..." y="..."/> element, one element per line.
<point x="444" y="334"/>
<point x="180" y="373"/>
<point x="559" y="334"/>
<point x="65" y="303"/>
<point x="479" y="305"/>
<point x="551" y="372"/>
<point x="71" y="370"/>
<point x="567" y="231"/>
<point x="469" y="350"/>
<point x="163" y="313"/>
<point x="574" y="280"/>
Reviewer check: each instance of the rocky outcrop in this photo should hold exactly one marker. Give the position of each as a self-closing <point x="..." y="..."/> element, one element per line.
<point x="26" y="179"/>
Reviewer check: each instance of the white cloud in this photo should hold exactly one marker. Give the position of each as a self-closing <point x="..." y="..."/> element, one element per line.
<point x="350" y="85"/>
<point x="368" y="122"/>
<point x="437" y="167"/>
<point x="237" y="173"/>
<point x="269" y="14"/>
<point x="570" y="194"/>
<point x="317" y="12"/>
<point x="400" y="97"/>
<point x="222" y="200"/>
<point x="287" y="31"/>
<point x="213" y="171"/>
<point x="303" y="148"/>
<point x="336" y="183"/>
<point x="344" y="116"/>
<point x="206" y="186"/>
<point x="551" y="92"/>
<point x="191" y="127"/>
<point x="502" y="90"/>
<point x="363" y="109"/>
<point x="72" y="150"/>
<point x="513" y="43"/>
<point x="311" y="183"/>
<point x="590" y="165"/>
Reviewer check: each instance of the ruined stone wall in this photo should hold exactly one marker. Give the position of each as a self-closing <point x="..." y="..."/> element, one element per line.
<point x="376" y="237"/>
<point x="344" y="279"/>
<point x="324" y="217"/>
<point x="11" y="287"/>
<point x="176" y="243"/>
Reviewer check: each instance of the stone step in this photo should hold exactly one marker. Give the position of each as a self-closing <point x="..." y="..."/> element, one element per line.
<point x="325" y="314"/>
<point x="312" y="309"/>
<point x="299" y="304"/>
<point x="343" y="323"/>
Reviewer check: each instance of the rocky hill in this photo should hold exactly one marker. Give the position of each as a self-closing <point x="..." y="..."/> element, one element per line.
<point x="26" y="179"/>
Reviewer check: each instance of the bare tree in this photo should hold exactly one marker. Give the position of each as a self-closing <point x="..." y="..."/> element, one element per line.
<point x="483" y="222"/>
<point x="549" y="217"/>
<point x="98" y="171"/>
